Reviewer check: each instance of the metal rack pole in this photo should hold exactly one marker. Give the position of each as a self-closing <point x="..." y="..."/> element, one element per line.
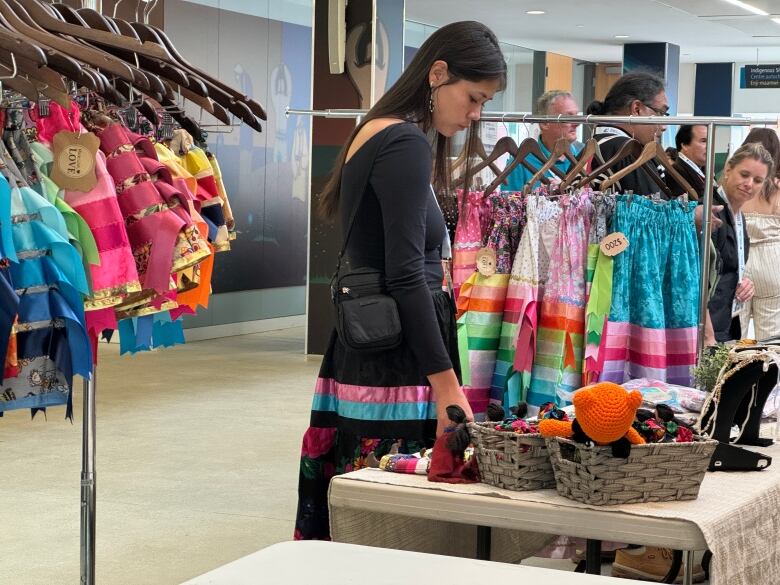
<point x="579" y="119"/>
<point x="706" y="234"/>
<point x="88" y="483"/>
<point x="710" y="122"/>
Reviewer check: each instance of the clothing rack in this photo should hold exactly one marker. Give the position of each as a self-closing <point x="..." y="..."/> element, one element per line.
<point x="709" y="171"/>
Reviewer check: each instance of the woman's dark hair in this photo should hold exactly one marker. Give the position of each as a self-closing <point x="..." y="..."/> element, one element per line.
<point x="471" y="52"/>
<point x="767" y="138"/>
<point x="637" y="85"/>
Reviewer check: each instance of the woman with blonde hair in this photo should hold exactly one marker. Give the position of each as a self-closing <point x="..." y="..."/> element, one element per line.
<point x="743" y="180"/>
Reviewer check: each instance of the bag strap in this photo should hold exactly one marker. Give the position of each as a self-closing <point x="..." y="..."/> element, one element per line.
<point x="363" y="185"/>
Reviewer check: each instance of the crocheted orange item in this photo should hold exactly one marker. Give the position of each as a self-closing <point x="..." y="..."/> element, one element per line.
<point x="604" y="411"/>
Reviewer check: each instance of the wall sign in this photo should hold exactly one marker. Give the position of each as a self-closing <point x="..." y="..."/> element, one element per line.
<point x="760" y="77"/>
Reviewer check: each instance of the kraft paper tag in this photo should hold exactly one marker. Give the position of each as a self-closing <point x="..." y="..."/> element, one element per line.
<point x="74" y="160"/>
<point x="486" y="262"/>
<point x="614" y="244"/>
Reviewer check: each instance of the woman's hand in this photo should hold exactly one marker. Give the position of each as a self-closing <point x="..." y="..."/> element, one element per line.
<point x="447" y="392"/>
<point x="745" y="290"/>
<point x="457" y="398"/>
<point x="698" y="215"/>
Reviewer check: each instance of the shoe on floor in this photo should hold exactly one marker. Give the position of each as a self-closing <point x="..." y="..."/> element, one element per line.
<point x="649" y="563"/>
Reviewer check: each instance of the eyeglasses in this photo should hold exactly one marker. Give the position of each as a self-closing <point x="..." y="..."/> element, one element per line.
<point x="664" y="112"/>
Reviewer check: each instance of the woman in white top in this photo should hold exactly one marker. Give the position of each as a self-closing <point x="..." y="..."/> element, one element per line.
<point x="762" y="218"/>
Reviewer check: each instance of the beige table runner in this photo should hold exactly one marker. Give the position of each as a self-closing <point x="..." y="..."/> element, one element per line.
<point x="738" y="513"/>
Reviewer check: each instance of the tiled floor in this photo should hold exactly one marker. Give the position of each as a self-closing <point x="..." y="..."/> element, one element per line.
<point x="197" y="452"/>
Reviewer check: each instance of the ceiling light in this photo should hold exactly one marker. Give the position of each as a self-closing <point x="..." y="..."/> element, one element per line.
<point x="535" y="12"/>
<point x="777" y="20"/>
<point x="580" y="26"/>
<point x="748" y="7"/>
<point x="621" y="36"/>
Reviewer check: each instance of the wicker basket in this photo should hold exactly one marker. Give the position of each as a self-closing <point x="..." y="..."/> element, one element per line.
<point x="656" y="472"/>
<point x="510" y="460"/>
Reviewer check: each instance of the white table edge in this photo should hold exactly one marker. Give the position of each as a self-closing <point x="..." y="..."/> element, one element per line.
<point x="496" y="512"/>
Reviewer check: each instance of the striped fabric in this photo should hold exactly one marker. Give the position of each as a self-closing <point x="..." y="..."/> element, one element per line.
<point x="652" y="325"/>
<point x="480" y="310"/>
<point x="374" y="403"/>
<point x="517" y="342"/>
<point x="557" y="368"/>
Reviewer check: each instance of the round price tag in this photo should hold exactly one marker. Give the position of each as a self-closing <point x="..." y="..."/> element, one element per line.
<point x="75" y="161"/>
<point x="486" y="262"/>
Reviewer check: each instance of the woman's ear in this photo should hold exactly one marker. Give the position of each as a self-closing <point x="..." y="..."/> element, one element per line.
<point x="438" y="74"/>
<point x="636" y="108"/>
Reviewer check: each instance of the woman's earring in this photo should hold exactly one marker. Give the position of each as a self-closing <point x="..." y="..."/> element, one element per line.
<point x="430" y="101"/>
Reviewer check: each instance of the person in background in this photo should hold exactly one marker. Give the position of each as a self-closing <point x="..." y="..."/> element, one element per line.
<point x="551" y="103"/>
<point x="762" y="219"/>
<point x="691" y="142"/>
<point x="743" y="180"/>
<point x="634" y="94"/>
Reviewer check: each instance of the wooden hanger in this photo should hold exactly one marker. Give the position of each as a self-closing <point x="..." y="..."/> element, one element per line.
<point x="649" y="169"/>
<point x="18" y="19"/>
<point x="559" y="149"/>
<point x="153" y="34"/>
<point x="253" y="105"/>
<point x="631" y="148"/>
<point x="505" y="145"/>
<point x="239" y="106"/>
<point x="529" y="146"/>
<point x="44" y="16"/>
<point x="22" y="45"/>
<point x="648" y="154"/>
<point x="580" y="162"/>
<point x="136" y="54"/>
<point x="32" y="87"/>
<point x="668" y="165"/>
<point x="50" y="16"/>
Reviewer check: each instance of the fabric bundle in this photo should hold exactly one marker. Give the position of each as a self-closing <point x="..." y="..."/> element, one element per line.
<point x="517" y="343"/>
<point x="653" y="319"/>
<point x="557" y="367"/>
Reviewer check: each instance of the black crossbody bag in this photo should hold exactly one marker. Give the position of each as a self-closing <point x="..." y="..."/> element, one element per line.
<point x="367" y="318"/>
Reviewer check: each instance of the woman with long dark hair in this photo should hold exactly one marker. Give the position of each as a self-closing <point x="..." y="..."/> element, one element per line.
<point x="365" y="403"/>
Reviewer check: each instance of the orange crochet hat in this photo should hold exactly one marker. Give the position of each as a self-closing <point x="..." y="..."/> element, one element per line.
<point x="605" y="410"/>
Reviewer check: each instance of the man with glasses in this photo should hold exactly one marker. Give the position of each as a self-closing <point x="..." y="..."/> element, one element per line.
<point x="637" y="94"/>
<point x="551" y="103"/>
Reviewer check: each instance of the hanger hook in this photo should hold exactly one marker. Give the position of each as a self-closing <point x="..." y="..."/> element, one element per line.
<point x="15" y="70"/>
<point x="116" y="6"/>
<point x="503" y="121"/>
<point x="150" y="6"/>
<point x="527" y="127"/>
